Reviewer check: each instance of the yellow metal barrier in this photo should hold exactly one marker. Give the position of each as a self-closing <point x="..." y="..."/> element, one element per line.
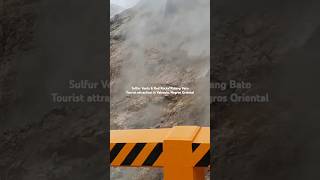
<point x="182" y="151"/>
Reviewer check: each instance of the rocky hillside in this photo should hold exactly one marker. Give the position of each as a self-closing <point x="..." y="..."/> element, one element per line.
<point x="148" y="51"/>
<point x="159" y="44"/>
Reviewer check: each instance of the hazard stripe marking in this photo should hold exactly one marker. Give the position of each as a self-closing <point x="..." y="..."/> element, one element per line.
<point x="205" y="161"/>
<point x="143" y="154"/>
<point x="201" y="155"/>
<point x="195" y="146"/>
<point x="133" y="154"/>
<point x="160" y="161"/>
<point x="115" y="150"/>
<point x="123" y="154"/>
<point x="154" y="155"/>
<point x="111" y="146"/>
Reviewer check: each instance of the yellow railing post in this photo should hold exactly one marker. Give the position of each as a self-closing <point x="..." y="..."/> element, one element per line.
<point x="178" y="154"/>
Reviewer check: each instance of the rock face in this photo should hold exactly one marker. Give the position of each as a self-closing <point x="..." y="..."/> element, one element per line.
<point x="151" y="48"/>
<point x="159" y="43"/>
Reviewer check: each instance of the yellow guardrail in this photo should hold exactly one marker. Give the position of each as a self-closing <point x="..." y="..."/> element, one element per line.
<point x="182" y="151"/>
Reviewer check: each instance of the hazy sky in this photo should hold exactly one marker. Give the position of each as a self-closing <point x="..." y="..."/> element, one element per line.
<point x="124" y="3"/>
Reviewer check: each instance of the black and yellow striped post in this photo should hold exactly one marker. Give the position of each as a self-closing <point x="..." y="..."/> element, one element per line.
<point x="182" y="151"/>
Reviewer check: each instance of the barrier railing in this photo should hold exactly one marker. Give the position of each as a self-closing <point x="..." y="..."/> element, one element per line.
<point x="182" y="151"/>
